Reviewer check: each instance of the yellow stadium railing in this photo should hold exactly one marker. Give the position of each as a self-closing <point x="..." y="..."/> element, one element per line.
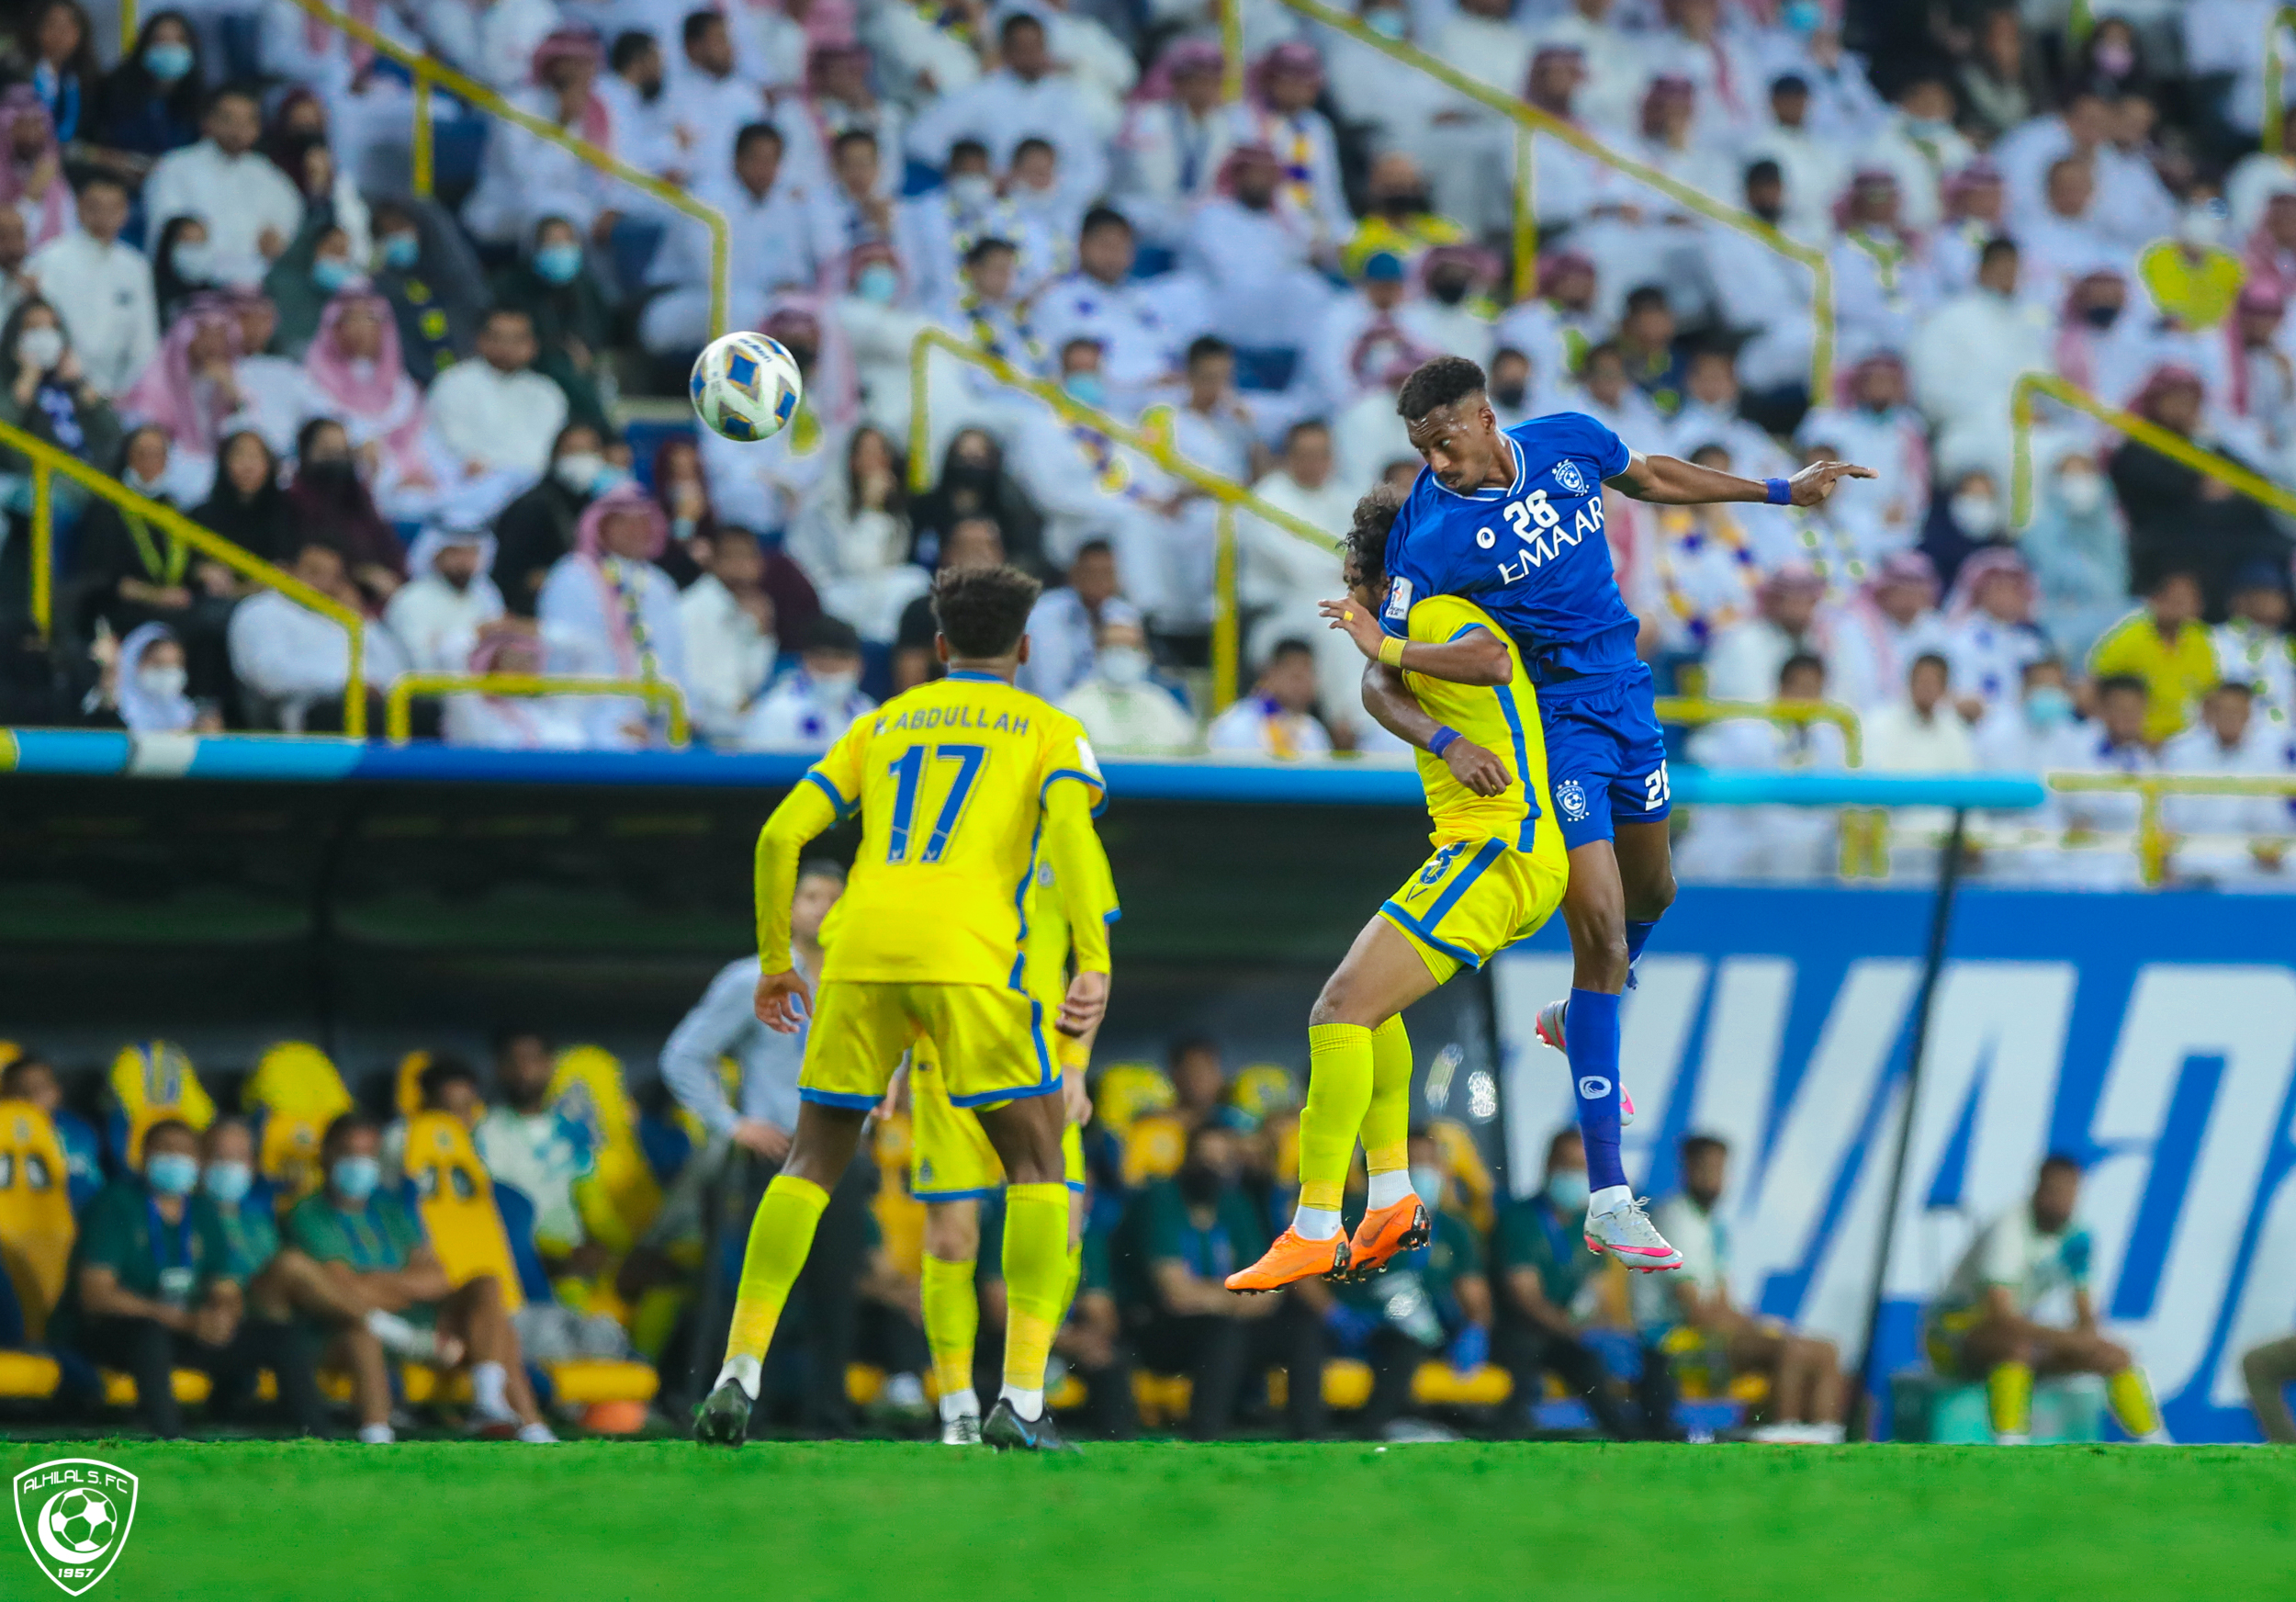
<point x="430" y="75"/>
<point x="1530" y="122"/>
<point x="45" y="461"/>
<point x="2285" y="17"/>
<point x="398" y="703"/>
<point x="2154" y="841"/>
<point x="1230" y="496"/>
<point x="2224" y="469"/>
<point x="1862" y="827"/>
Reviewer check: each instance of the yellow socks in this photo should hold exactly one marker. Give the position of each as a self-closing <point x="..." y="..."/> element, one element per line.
<point x="780" y="1237"/>
<point x="1076" y="1278"/>
<point x="1340" y="1076"/>
<point x="2130" y="1396"/>
<point x="2009" y="1398"/>
<point x="1036" y="1274"/>
<point x="1387" y="1120"/>
<point x="953" y="1320"/>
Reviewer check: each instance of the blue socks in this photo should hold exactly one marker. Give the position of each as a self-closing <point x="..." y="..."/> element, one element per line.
<point x="1590" y="1032"/>
<point x="1637" y="936"/>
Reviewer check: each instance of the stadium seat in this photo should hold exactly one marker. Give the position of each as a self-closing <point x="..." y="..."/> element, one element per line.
<point x="190" y="1385"/>
<point x="1124" y="1092"/>
<point x="295" y="1092"/>
<point x="1926" y="1407"/>
<point x="36" y="1229"/>
<point x="620" y="1197"/>
<point x="1154" y="1148"/>
<point x="1441" y="1386"/>
<point x="150" y="1080"/>
<point x="27" y="1376"/>
<point x="587" y="1382"/>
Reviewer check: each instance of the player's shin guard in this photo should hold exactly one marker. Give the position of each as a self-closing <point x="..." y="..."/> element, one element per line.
<point x="2010" y="1399"/>
<point x="2130" y="1396"/>
<point x="1591" y="1039"/>
<point x="1340" y="1076"/>
<point x="1036" y="1273"/>
<point x="1387" y="1120"/>
<point x="780" y="1237"/>
<point x="953" y="1320"/>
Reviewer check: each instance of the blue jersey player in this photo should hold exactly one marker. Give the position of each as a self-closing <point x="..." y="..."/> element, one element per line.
<point x="1513" y="520"/>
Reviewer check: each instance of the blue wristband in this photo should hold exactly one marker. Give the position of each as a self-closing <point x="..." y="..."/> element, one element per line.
<point x="1441" y="741"/>
<point x="1779" y="491"/>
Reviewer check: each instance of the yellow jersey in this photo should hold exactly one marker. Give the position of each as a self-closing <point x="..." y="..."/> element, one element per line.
<point x="1045" y="972"/>
<point x="2176" y="672"/>
<point x="1503" y="720"/>
<point x="951" y="780"/>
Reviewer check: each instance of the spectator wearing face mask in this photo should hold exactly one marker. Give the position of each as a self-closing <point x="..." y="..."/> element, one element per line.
<point x="1964" y="518"/>
<point x="730" y="633"/>
<point x="432" y="279"/>
<point x="494" y="412"/>
<point x="439" y="612"/>
<point x="538" y="527"/>
<point x="573" y="324"/>
<point x="2035" y="731"/>
<point x="149" y="104"/>
<point x="183" y="264"/>
<point x="145" y="692"/>
<point x="1277" y="719"/>
<point x="2078" y="550"/>
<point x="152" y="1289"/>
<point x="811" y="708"/>
<point x="101" y="287"/>
<point x="1124" y="708"/>
<point x="1067" y="619"/>
<point x="251" y="209"/>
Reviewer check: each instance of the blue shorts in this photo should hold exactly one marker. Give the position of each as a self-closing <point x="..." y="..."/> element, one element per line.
<point x="1606" y="753"/>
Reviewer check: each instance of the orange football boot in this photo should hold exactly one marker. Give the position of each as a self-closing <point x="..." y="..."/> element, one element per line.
<point x="1384" y="1233"/>
<point x="1292" y="1259"/>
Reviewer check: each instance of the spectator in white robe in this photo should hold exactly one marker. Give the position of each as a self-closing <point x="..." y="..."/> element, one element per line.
<point x="275" y="392"/>
<point x="1607" y="394"/>
<point x="1892" y="620"/>
<point x="1876" y="426"/>
<point x="1083" y="47"/>
<point x="840" y="100"/>
<point x="2078" y="129"/>
<point x="1174" y="142"/>
<point x="1257" y="257"/>
<point x="367" y="107"/>
<point x="1396" y="109"/>
<point x="1371" y="335"/>
<point x="767" y="44"/>
<point x="1918" y="732"/>
<point x="2061" y="244"/>
<point x="1763" y="297"/>
<point x="1814" y="168"/>
<point x="292" y="664"/>
<point x="811" y="708"/>
<point x="2246" y="838"/>
<point x="1612" y="90"/>
<point x="1066" y="621"/>
<point x="1126" y="711"/>
<point x="2110" y="742"/>
<point x="917" y="60"/>
<point x="853" y="534"/>
<point x="1744" y="662"/>
<point x="447" y="599"/>
<point x="2254" y="646"/>
<point x="1769" y="841"/>
<point x="101" y="287"/>
<point x="854" y="205"/>
<point x="493" y="40"/>
<point x="1990" y="631"/>
<point x="779" y="238"/>
<point x="1280" y="114"/>
<point x="2035" y="731"/>
<point x="1919" y="143"/>
<point x="1720" y="62"/>
<point x="1047" y="207"/>
<point x="492" y="413"/>
<point x="760" y="486"/>
<point x="1976" y="203"/>
<point x="356" y="376"/>
<point x="1279" y="718"/>
<point x="1971" y="351"/>
<point x="1142" y="326"/>
<point x="730" y="634"/>
<point x="607" y="611"/>
<point x="1885" y="284"/>
<point x="147" y="682"/>
<point x="710" y="100"/>
<point x="510" y="649"/>
<point x="1478" y="39"/>
<point x="638" y="105"/>
<point x="524" y="178"/>
<point x="1709" y="414"/>
<point x="1280" y="576"/>
<point x="251" y="209"/>
<point x="1024" y="96"/>
<point x="936" y="231"/>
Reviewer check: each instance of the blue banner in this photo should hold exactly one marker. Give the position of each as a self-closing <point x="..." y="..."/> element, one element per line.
<point x="2153" y="1037"/>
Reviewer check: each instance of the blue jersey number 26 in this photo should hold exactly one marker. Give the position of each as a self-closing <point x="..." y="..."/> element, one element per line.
<point x="907" y="771"/>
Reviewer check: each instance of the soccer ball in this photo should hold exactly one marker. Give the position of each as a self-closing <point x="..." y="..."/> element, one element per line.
<point x="82" y="1521"/>
<point x="745" y="386"/>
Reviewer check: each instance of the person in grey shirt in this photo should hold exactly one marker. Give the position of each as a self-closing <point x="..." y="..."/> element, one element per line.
<point x="749" y="1136"/>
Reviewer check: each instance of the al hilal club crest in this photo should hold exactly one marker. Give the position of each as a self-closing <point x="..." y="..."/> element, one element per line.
<point x="76" y="1514"/>
<point x="1567" y="474"/>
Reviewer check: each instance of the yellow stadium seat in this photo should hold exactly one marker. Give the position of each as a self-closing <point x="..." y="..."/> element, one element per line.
<point x="153" y="1080"/>
<point x="27" y="1376"/>
<point x="1069" y="1394"/>
<point x="298" y="1091"/>
<point x="190" y="1385"/>
<point x="456" y="1201"/>
<point x="35" y="1227"/>
<point x="620" y="1196"/>
<point x="900" y="1216"/>
<point x="1346" y="1385"/>
<point x="1161" y="1398"/>
<point x="1125" y="1091"/>
<point x="862" y="1382"/>
<point x="585" y="1382"/>
<point x="1441" y="1386"/>
<point x="1154" y="1148"/>
<point x="1262" y="1091"/>
<point x="1752" y="1389"/>
<point x="425" y="1386"/>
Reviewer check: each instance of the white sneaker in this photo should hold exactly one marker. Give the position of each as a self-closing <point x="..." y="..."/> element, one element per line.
<point x="1776" y="1435"/>
<point x="965" y="1430"/>
<point x="1627" y="1232"/>
<point x="537" y="1435"/>
<point x="1549" y="1031"/>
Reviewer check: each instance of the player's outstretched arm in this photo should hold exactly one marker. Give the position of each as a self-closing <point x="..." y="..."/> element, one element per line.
<point x="1087" y="892"/>
<point x="1671" y="481"/>
<point x="1394" y="708"/>
<point x="1477" y="657"/>
<point x="803" y="813"/>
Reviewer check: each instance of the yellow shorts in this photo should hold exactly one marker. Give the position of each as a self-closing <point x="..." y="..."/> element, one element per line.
<point x="1476" y="897"/>
<point x="995" y="1040"/>
<point x="949" y="1155"/>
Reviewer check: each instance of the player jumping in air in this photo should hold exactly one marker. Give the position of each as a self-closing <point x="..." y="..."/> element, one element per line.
<point x="1513" y="519"/>
<point x="1496" y="876"/>
<point x="963" y="787"/>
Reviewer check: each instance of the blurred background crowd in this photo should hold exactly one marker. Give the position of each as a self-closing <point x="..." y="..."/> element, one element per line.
<point x="462" y="417"/>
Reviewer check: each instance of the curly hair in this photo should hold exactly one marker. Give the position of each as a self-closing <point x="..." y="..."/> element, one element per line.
<point x="1367" y="535"/>
<point x="1437" y="383"/>
<point x="983" y="612"/>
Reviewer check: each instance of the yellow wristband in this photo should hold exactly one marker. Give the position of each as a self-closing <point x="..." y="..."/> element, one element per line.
<point x="1391" y="650"/>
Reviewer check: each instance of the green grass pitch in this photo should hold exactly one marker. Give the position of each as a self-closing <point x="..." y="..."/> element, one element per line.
<point x="252" y="1521"/>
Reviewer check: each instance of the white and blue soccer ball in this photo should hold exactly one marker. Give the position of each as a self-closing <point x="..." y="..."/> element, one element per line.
<point x="745" y="386"/>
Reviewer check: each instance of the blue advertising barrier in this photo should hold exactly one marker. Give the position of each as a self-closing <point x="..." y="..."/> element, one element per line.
<point x="2151" y="1036"/>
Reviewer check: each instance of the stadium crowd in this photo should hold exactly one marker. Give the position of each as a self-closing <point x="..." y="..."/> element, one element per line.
<point x="217" y="285"/>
